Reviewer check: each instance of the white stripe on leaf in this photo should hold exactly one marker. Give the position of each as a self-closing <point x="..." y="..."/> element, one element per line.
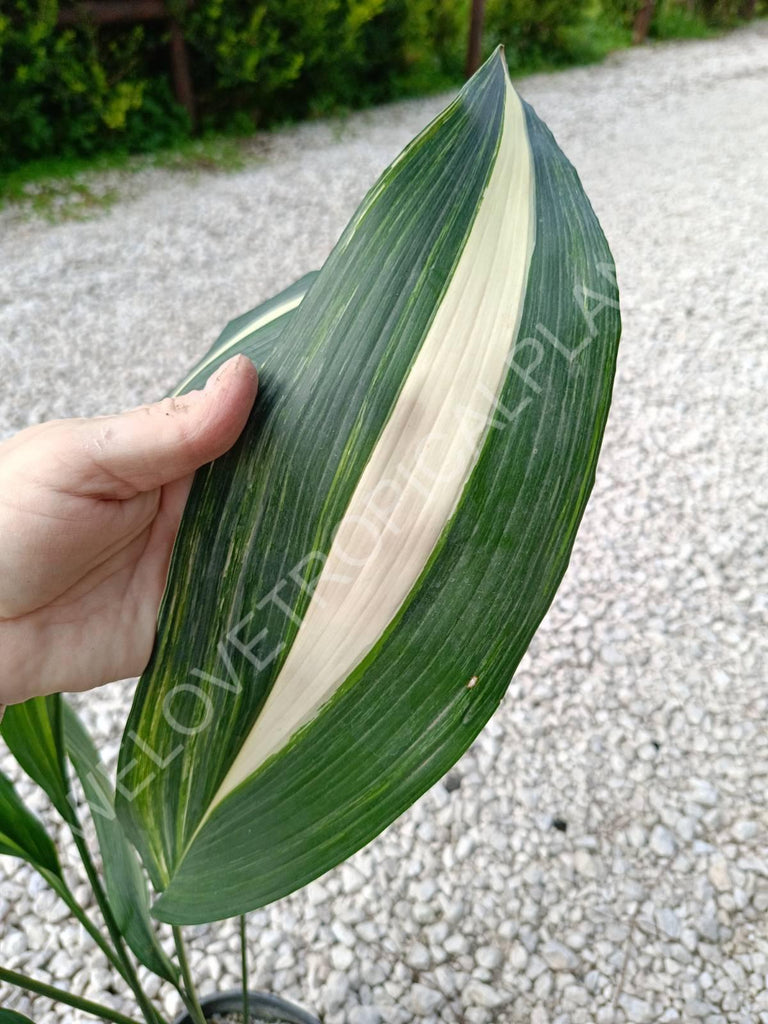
<point x="428" y="448"/>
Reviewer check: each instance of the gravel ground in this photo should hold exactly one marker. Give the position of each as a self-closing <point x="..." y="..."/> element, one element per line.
<point x="601" y="853"/>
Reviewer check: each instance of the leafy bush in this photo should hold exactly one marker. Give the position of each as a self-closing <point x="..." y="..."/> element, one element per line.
<point x="74" y="91"/>
<point x="70" y="92"/>
<point x="284" y="59"/>
<point x="683" y="19"/>
<point x="544" y="33"/>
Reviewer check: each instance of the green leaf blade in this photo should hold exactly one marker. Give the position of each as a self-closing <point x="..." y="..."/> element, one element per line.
<point x="252" y="334"/>
<point x="33" y="733"/>
<point x="268" y="787"/>
<point x="342" y="763"/>
<point x="391" y="302"/>
<point x="12" y="1017"/>
<point x="125" y="885"/>
<point x="22" y="834"/>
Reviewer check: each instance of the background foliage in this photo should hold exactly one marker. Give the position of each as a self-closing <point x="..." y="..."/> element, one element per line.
<point x="72" y="92"/>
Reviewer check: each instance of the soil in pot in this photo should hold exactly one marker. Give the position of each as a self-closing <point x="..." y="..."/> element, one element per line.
<point x="226" y="1008"/>
<point x="237" y="1018"/>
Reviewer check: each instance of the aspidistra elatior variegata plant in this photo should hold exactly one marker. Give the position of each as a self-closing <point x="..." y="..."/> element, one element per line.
<point x="355" y="583"/>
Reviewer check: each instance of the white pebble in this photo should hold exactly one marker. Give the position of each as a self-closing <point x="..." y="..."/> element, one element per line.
<point x="662" y="841"/>
<point x="558" y="957"/>
<point x="424" y="1000"/>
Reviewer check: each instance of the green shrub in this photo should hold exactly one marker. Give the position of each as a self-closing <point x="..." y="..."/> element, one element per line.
<point x="533" y="32"/>
<point x="74" y="92"/>
<point x="284" y="59"/>
<point x="77" y="92"/>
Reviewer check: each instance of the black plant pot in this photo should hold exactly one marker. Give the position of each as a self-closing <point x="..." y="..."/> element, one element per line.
<point x="261" y="1004"/>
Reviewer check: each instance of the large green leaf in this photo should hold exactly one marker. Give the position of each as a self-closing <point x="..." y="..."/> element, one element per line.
<point x="22" y="834"/>
<point x="356" y="581"/>
<point x="125" y="885"/>
<point x="33" y="733"/>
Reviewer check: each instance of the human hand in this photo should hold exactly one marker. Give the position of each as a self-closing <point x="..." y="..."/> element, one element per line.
<point x="89" y="511"/>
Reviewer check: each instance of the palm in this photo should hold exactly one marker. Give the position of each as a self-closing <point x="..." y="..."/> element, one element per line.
<point x="89" y="511"/>
<point x="101" y="603"/>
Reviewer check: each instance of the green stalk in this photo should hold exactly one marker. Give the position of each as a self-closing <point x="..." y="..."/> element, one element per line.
<point x="191" y="1001"/>
<point x="61" y="996"/>
<point x="150" y="1013"/>
<point x="244" y="970"/>
<point x="62" y="890"/>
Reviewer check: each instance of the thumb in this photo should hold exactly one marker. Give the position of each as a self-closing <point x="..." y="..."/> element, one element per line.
<point x="153" y="445"/>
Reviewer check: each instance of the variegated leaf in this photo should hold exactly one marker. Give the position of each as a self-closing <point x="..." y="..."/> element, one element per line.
<point x="355" y="583"/>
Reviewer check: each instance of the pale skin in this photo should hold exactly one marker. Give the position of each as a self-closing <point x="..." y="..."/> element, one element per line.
<point x="89" y="511"/>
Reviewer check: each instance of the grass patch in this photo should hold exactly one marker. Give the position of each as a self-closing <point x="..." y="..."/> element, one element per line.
<point x="59" y="200"/>
<point x="41" y="183"/>
<point x="68" y="188"/>
<point x="224" y="153"/>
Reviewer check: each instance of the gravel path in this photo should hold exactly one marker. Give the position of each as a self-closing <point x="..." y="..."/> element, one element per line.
<point x="601" y="853"/>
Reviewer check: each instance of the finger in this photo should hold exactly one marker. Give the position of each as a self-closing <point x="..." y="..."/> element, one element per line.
<point x="153" y="445"/>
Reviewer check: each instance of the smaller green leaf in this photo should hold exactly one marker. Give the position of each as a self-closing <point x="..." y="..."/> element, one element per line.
<point x="252" y="334"/>
<point x="125" y="884"/>
<point x="33" y="733"/>
<point x="22" y="834"/>
<point x="11" y="1017"/>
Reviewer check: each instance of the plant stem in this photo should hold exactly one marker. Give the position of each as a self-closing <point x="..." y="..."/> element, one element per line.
<point x="61" y="888"/>
<point x="61" y="996"/>
<point x="192" y="1002"/>
<point x="129" y="973"/>
<point x="244" y="970"/>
